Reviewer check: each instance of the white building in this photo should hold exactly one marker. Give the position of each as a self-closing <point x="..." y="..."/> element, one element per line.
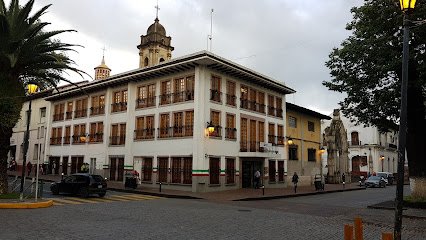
<point x="370" y="150"/>
<point x="154" y="120"/>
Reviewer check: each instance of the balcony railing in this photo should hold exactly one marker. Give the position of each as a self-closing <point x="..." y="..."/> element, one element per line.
<point x="217" y="132"/>
<point x="56" y="141"/>
<point x="117" y="140"/>
<point x="231" y="100"/>
<point x="280" y="140"/>
<point x="145" y="102"/>
<point x="119" y="107"/>
<point x="165" y="99"/>
<point x="250" y="146"/>
<point x="279" y="112"/>
<point x="143" y="134"/>
<point x="272" y="139"/>
<point x="58" y="117"/>
<point x="244" y="103"/>
<point x="67" y="139"/>
<point x="260" y="107"/>
<point x="68" y="115"/>
<point x="76" y="139"/>
<point x="165" y="132"/>
<point x="271" y="111"/>
<point x="96" y="138"/>
<point x="97" y="110"/>
<point x="176" y="131"/>
<point x="80" y="113"/>
<point x="230" y="133"/>
<point x="215" y="95"/>
<point x="183" y="96"/>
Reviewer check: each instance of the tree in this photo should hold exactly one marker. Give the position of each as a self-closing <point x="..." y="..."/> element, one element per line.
<point x="367" y="67"/>
<point x="27" y="54"/>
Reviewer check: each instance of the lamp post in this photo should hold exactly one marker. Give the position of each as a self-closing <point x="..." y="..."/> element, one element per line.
<point x="382" y="158"/>
<point x="210" y="127"/>
<point x="406" y="6"/>
<point x="31" y="88"/>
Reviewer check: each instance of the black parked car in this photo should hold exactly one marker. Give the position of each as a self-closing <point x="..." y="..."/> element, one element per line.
<point x="83" y="184"/>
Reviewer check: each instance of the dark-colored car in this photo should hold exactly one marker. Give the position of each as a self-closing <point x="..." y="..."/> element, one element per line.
<point x="82" y="184"/>
<point x="387" y="176"/>
<point x="375" y="181"/>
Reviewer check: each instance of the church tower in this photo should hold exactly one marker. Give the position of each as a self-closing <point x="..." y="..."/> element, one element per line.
<point x="155" y="46"/>
<point x="102" y="71"/>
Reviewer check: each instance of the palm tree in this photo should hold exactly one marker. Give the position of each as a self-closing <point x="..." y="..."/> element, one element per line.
<point x="27" y="54"/>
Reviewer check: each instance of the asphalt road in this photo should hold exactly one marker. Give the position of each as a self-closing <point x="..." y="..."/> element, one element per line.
<point x="124" y="216"/>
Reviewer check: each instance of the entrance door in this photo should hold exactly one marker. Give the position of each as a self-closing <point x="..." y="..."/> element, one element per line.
<point x="65" y="165"/>
<point x="76" y="163"/>
<point x="116" y="169"/>
<point x="249" y="167"/>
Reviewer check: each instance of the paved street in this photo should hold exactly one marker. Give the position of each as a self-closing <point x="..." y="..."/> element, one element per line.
<point x="309" y="217"/>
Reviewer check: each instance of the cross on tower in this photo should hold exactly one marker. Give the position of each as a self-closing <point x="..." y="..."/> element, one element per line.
<point x="103" y="51"/>
<point x="158" y="8"/>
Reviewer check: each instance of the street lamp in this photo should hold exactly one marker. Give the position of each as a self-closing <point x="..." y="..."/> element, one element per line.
<point x="210" y="127"/>
<point x="290" y="141"/>
<point x="382" y="158"/>
<point x="31" y="88"/>
<point x="406" y="6"/>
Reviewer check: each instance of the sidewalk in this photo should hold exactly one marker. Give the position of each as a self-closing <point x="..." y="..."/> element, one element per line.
<point x="244" y="194"/>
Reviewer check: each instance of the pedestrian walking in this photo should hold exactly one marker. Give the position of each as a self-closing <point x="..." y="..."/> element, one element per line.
<point x="29" y="167"/>
<point x="343" y="179"/>
<point x="257" y="179"/>
<point x="295" y="180"/>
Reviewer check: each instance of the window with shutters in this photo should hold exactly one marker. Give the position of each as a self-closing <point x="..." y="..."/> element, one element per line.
<point x="279" y="108"/>
<point x="98" y="105"/>
<point x="119" y="101"/>
<point x="79" y="134"/>
<point x="292" y="152"/>
<point x="96" y="132"/>
<point x="261" y="134"/>
<point x="58" y="112"/>
<point x="178" y="124"/>
<point x="118" y="134"/>
<point x="215" y="120"/>
<point x="215" y="89"/>
<point x="56" y="136"/>
<point x="243" y="135"/>
<point x="271" y="105"/>
<point x="292" y="122"/>
<point x="68" y="113"/>
<point x="271" y="133"/>
<point x="67" y="135"/>
<point x="189" y="123"/>
<point x="311" y="126"/>
<point x="312" y="154"/>
<point x="280" y="135"/>
<point x="164" y="129"/>
<point x="230" y="130"/>
<point x="244" y="97"/>
<point x="261" y="102"/>
<point x="144" y="128"/>
<point x="230" y="93"/>
<point x="252" y="142"/>
<point x="166" y="91"/>
<point x="80" y="108"/>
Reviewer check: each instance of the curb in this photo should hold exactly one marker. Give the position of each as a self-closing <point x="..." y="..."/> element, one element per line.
<point x="296" y="195"/>
<point x="154" y="194"/>
<point x="26" y="205"/>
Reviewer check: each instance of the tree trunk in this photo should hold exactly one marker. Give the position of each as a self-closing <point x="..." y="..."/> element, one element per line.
<point x="12" y="97"/>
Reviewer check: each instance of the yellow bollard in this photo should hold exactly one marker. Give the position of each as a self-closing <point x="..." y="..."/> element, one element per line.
<point x="349" y="232"/>
<point x="387" y="236"/>
<point x="358" y="229"/>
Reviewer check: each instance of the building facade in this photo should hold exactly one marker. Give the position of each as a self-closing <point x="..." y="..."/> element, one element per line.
<point x="304" y="142"/>
<point x="370" y="150"/>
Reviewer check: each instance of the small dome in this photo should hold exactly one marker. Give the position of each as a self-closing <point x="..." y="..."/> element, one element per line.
<point x="156" y="27"/>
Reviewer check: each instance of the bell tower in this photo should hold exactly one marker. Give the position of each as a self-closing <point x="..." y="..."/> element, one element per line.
<point x="155" y="46"/>
<point x="102" y="71"/>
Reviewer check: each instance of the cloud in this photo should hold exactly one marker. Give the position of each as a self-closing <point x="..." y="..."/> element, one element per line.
<point x="286" y="40"/>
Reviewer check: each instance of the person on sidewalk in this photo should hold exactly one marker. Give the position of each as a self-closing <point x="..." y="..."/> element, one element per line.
<point x="295" y="180"/>
<point x="343" y="179"/>
<point x="256" y="179"/>
<point x="29" y="167"/>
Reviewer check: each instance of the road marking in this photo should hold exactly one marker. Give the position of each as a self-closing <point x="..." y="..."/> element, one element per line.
<point x="107" y="199"/>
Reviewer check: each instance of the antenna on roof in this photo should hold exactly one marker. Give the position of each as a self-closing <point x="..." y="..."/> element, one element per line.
<point x="210" y="36"/>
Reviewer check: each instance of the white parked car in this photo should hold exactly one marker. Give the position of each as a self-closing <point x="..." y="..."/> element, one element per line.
<point x="387" y="176"/>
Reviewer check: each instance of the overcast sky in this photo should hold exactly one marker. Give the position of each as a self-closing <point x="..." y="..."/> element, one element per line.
<point x="284" y="39"/>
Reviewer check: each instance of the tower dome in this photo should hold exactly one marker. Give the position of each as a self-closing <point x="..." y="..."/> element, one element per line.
<point x="156" y="27"/>
<point x="102" y="71"/>
<point x="155" y="47"/>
